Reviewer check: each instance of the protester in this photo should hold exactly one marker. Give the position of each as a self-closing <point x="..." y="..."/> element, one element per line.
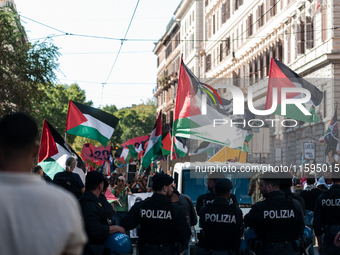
<point x="103" y="199"/>
<point x="36" y="218"/>
<point x="98" y="222"/>
<point x="38" y="171"/>
<point x="310" y="194"/>
<point x="121" y="205"/>
<point x="69" y="180"/>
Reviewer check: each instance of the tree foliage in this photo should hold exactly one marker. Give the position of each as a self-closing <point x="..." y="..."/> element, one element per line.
<point x="26" y="69"/>
<point x="55" y="106"/>
<point x="133" y="122"/>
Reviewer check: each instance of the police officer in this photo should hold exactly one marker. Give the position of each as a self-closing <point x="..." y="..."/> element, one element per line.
<point x="160" y="220"/>
<point x="286" y="181"/>
<point x="98" y="221"/>
<point x="278" y="220"/>
<point x="221" y="222"/>
<point x="209" y="197"/>
<point x="327" y="217"/>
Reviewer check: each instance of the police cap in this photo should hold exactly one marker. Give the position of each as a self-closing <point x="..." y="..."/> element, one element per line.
<point x="94" y="177"/>
<point x="223" y="185"/>
<point x="160" y="179"/>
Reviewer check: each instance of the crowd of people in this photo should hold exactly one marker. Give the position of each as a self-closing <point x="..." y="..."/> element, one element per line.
<point x="67" y="216"/>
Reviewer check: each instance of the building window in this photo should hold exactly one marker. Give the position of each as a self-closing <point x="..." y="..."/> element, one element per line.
<point x="208" y="62"/>
<point x="250" y="25"/>
<point x="168" y="50"/>
<point x="227" y="9"/>
<point x="227" y="46"/>
<point x="273" y="8"/>
<point x="192" y="42"/>
<point x="221" y="52"/>
<point x="206" y="2"/>
<point x="259" y="66"/>
<point x="223" y="13"/>
<point x="323" y="23"/>
<point x="193" y="16"/>
<point x="325" y="104"/>
<point x="278" y="51"/>
<point x="309" y="33"/>
<point x="213" y="24"/>
<point x="300" y="38"/>
<point x="260" y="15"/>
<point x="236" y="2"/>
<point x="209" y="28"/>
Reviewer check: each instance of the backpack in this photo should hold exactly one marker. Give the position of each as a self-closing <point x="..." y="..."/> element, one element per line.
<point x="67" y="183"/>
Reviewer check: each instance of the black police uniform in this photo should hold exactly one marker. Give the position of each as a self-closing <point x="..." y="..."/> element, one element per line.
<point x="289" y="193"/>
<point x="162" y="222"/>
<point x="221" y="223"/>
<point x="278" y="222"/>
<point x="327" y="218"/>
<point x="207" y="198"/>
<point x="97" y="221"/>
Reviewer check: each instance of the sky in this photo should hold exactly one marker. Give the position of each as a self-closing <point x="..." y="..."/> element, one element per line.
<point x="87" y="61"/>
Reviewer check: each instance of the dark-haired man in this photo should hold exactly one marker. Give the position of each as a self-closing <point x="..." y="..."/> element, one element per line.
<point x="48" y="213"/>
<point x="161" y="221"/>
<point x="98" y="222"/>
<point x="278" y="220"/>
<point x="221" y="222"/>
<point x="327" y="216"/>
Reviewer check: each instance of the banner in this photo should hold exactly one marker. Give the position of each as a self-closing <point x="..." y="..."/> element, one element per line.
<point x="96" y="154"/>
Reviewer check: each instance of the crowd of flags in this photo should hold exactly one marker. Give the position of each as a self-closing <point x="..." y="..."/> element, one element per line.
<point x="197" y="105"/>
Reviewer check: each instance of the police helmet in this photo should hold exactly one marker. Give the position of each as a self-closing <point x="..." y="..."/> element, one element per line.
<point x="307" y="237"/>
<point x="119" y="244"/>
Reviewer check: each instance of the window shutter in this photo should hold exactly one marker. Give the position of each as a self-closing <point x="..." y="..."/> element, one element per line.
<point x="221" y="52"/>
<point x="302" y="37"/>
<point x="227" y="10"/>
<point x="236" y="5"/>
<point x="208" y="62"/>
<point x="240" y="2"/>
<point x="259" y="66"/>
<point x="227" y="46"/>
<point x="223" y="13"/>
<point x="213" y="20"/>
<point x="253" y="63"/>
<point x="309" y="33"/>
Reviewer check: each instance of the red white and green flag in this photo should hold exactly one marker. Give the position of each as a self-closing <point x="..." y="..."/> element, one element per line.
<point x="86" y="121"/>
<point x="280" y="76"/>
<point x="166" y="145"/>
<point x="54" y="151"/>
<point x="180" y="147"/>
<point x="155" y="143"/>
<point x="331" y="137"/>
<point x="195" y="120"/>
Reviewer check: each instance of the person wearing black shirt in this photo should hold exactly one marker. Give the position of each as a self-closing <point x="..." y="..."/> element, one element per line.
<point x="162" y="222"/>
<point x="104" y="201"/>
<point x="278" y="220"/>
<point x="70" y="180"/>
<point x="98" y="222"/>
<point x="221" y="222"/>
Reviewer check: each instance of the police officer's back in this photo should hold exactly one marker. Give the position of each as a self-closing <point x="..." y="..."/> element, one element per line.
<point x="221" y="222"/>
<point x="327" y="217"/>
<point x="160" y="220"/>
<point x="278" y="220"/>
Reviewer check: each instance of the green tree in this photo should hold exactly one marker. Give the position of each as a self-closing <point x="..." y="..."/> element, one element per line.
<point x="133" y="122"/>
<point x="26" y="69"/>
<point x="55" y="106"/>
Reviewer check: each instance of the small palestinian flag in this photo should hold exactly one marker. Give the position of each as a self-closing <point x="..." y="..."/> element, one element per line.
<point x="331" y="137"/>
<point x="54" y="151"/>
<point x="86" y="121"/>
<point x="166" y="145"/>
<point x="180" y="148"/>
<point x="122" y="154"/>
<point x="155" y="143"/>
<point x="280" y="76"/>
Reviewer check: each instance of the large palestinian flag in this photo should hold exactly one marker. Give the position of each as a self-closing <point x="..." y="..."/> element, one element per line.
<point x="86" y="121"/>
<point x="54" y="151"/>
<point x="280" y="76"/>
<point x="194" y="119"/>
<point x="155" y="143"/>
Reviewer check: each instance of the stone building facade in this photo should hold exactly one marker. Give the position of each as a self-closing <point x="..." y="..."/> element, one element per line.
<point x="240" y="38"/>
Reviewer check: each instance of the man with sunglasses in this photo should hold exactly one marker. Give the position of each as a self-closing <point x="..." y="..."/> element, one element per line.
<point x="121" y="206"/>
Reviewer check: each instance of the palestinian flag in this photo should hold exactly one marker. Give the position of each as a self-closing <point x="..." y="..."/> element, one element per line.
<point x="86" y="121"/>
<point x="180" y="148"/>
<point x="280" y="76"/>
<point x="331" y="137"/>
<point x="166" y="145"/>
<point x="155" y="143"/>
<point x="137" y="141"/>
<point x="194" y="119"/>
<point x="54" y="151"/>
<point x="205" y="147"/>
<point x="122" y="154"/>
